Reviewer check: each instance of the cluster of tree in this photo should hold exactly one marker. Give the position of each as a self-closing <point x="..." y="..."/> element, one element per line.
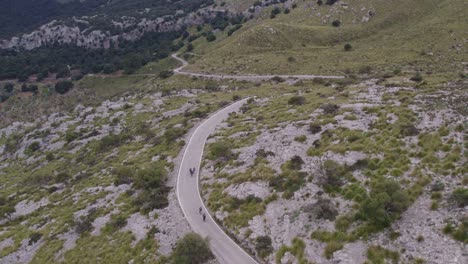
<point x="21" y="16"/>
<point x="59" y="59"/>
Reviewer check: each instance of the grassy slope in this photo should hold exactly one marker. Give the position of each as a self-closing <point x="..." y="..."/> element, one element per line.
<point x="401" y="33"/>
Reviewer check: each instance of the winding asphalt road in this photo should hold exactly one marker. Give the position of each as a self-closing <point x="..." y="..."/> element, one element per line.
<point x="188" y="193"/>
<point x="250" y="77"/>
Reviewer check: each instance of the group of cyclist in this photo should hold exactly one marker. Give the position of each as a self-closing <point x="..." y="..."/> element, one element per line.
<point x="200" y="210"/>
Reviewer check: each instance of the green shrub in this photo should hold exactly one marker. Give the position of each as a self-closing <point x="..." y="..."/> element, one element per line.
<point x="301" y="139"/>
<point x="116" y="222"/>
<point x="417" y="77"/>
<point x="460" y="196"/>
<point x="210" y="37"/>
<point x="263" y="246"/>
<point x="220" y="150"/>
<point x="6" y="209"/>
<point x="333" y="175"/>
<point x="297" y="100"/>
<point x="331" y="247"/>
<point x="348" y="47"/>
<point x="33" y="147"/>
<point x="191" y="249"/>
<point x="166" y="74"/>
<point x="62" y="177"/>
<point x="315" y="128"/>
<point x="330" y="108"/>
<point x="34" y="237"/>
<point x="336" y="23"/>
<point x="111" y="141"/>
<point x="379" y="255"/>
<point x="70" y="136"/>
<point x="124" y="175"/>
<point x="323" y="209"/>
<point x="277" y="79"/>
<point x="173" y="133"/>
<point x="295" y="163"/>
<point x="63" y="87"/>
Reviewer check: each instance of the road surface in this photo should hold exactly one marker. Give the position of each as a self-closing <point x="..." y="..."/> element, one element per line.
<point x="188" y="193"/>
<point x="249" y="77"/>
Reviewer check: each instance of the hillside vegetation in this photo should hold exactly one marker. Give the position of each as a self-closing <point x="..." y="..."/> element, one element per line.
<point x="425" y="35"/>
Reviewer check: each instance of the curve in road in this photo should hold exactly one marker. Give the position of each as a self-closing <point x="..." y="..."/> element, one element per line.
<point x="250" y="77"/>
<point x="188" y="194"/>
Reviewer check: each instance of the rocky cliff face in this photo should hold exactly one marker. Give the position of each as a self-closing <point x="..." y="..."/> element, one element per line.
<point x="71" y="33"/>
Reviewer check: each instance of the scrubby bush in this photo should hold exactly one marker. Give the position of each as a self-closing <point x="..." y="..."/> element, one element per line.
<point x="8" y="87"/>
<point x="366" y="69"/>
<point x="124" y="175"/>
<point x="315" y="128"/>
<point x="275" y="11"/>
<point x="378" y="254"/>
<point x="6" y="209"/>
<point x="263" y="246"/>
<point x="165" y="74"/>
<point x="210" y="37"/>
<point x="336" y="23"/>
<point x="63" y="87"/>
<point x="193" y="249"/>
<point x="408" y="130"/>
<point x="35" y="146"/>
<point x="111" y="141"/>
<point x="212" y="86"/>
<point x="277" y="79"/>
<point x="460" y="196"/>
<point x="233" y="29"/>
<point x="297" y="100"/>
<point x="85" y="222"/>
<point x="330" y="108"/>
<point x="333" y="175"/>
<point x="295" y="163"/>
<point x="323" y="209"/>
<point x="62" y="177"/>
<point x="29" y="88"/>
<point x="116" y="222"/>
<point x="348" y="47"/>
<point x="220" y="150"/>
<point x="173" y="133"/>
<point x="34" y="237"/>
<point x="417" y="77"/>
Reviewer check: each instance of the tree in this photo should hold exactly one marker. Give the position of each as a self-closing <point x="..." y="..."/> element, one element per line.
<point x="384" y="204"/>
<point x="63" y="87"/>
<point x="191" y="249"/>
